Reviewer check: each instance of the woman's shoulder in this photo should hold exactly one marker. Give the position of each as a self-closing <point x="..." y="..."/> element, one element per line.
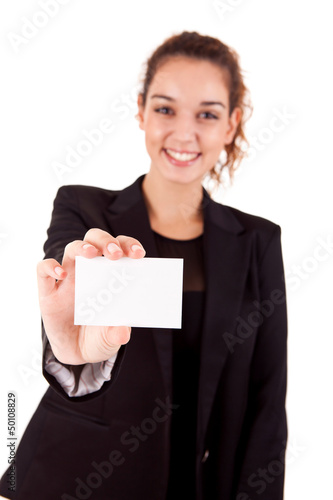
<point x="253" y="222"/>
<point x="85" y="196"/>
<point x="82" y="190"/>
<point x="262" y="232"/>
<point x="244" y="221"/>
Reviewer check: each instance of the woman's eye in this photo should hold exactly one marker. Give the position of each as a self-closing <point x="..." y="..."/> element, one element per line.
<point x="208" y="115"/>
<point x="164" y="110"/>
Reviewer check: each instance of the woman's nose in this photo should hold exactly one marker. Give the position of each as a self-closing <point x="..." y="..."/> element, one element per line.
<point x="184" y="128"/>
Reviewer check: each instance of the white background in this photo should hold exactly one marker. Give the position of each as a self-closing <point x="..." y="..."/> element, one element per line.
<point x="67" y="78"/>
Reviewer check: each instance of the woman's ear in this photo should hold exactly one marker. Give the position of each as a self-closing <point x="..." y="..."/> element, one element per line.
<point x="234" y="120"/>
<point x="139" y="115"/>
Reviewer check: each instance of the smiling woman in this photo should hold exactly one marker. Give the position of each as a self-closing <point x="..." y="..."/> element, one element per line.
<point x="190" y="57"/>
<point x="160" y="414"/>
<point x="187" y="131"/>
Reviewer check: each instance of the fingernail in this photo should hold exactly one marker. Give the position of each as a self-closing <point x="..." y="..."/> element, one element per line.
<point x="134" y="248"/>
<point x="58" y="270"/>
<point x="113" y="248"/>
<point x="87" y="245"/>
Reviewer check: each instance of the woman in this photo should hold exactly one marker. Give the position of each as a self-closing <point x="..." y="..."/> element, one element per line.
<point x="196" y="413"/>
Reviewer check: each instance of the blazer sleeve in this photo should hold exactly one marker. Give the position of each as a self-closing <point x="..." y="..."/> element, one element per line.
<point x="69" y="224"/>
<point x="263" y="466"/>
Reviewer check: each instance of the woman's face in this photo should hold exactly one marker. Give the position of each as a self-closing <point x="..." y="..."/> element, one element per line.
<point x="186" y="119"/>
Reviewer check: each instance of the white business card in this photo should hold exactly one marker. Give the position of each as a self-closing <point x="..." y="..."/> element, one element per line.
<point x="143" y="292"/>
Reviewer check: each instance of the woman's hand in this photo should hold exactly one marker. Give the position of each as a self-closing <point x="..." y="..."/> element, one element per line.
<point x="73" y="344"/>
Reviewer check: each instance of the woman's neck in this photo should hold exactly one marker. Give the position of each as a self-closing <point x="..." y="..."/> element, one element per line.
<point x="174" y="209"/>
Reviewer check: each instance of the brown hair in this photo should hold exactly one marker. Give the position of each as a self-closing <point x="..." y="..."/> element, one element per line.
<point x="196" y="46"/>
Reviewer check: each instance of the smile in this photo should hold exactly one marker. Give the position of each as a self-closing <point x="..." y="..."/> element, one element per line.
<point x="181" y="157"/>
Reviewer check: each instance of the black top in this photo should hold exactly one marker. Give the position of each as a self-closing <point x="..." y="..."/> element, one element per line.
<point x="186" y="364"/>
<point x="192" y="253"/>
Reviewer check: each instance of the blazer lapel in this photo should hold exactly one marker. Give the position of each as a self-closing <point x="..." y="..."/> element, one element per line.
<point x="129" y="216"/>
<point x="226" y="259"/>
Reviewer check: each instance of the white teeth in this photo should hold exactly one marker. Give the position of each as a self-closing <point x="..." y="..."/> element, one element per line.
<point x="181" y="156"/>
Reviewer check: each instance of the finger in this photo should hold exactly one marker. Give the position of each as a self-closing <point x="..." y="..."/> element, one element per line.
<point x="77" y="248"/>
<point x="117" y="335"/>
<point x="114" y="248"/>
<point x="48" y="271"/>
<point x="105" y="242"/>
<point x="131" y="247"/>
<point x="108" y="342"/>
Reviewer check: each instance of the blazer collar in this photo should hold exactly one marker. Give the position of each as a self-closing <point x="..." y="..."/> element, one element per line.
<point x="226" y="259"/>
<point x="131" y="197"/>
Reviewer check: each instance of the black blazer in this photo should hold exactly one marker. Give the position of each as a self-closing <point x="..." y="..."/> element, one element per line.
<point x="114" y="443"/>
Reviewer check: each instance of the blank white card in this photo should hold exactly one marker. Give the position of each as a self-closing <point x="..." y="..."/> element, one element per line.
<point x="143" y="292"/>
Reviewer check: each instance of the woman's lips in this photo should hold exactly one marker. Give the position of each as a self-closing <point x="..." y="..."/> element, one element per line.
<point x="182" y="159"/>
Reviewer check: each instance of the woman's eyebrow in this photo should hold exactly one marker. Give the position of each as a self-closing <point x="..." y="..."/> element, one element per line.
<point x="163" y="97"/>
<point x="211" y="103"/>
<point x="204" y="103"/>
